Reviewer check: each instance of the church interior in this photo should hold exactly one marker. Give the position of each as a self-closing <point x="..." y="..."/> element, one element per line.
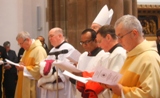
<point x="82" y="13"/>
<point x="73" y="16"/>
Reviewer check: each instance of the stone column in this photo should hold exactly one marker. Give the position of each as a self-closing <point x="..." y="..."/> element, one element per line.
<point x="127" y="7"/>
<point x="134" y="8"/>
<point x="117" y="6"/>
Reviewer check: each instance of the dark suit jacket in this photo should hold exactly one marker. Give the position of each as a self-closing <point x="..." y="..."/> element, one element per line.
<point x="10" y="75"/>
<point x="20" y="53"/>
<point x="3" y="55"/>
<point x="158" y="47"/>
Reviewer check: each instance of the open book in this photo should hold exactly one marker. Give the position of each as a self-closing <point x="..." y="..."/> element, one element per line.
<point x="106" y="76"/>
<point x="10" y="62"/>
<point x="78" y="78"/>
<point x="101" y="75"/>
<point x="74" y="56"/>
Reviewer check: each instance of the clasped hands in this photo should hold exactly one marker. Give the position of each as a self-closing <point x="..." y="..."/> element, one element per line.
<point x="116" y="89"/>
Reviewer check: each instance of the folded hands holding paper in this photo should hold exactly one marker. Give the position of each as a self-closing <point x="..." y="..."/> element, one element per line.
<point x="90" y="88"/>
<point x="96" y="81"/>
<point x="116" y="88"/>
<point x="19" y="66"/>
<point x="10" y="62"/>
<point x="100" y="75"/>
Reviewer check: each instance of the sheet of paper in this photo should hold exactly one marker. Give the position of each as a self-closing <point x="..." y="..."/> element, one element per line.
<point x="66" y="66"/>
<point x="27" y="73"/>
<point x="10" y="62"/>
<point x="106" y="76"/>
<point x="74" y="56"/>
<point x="78" y="78"/>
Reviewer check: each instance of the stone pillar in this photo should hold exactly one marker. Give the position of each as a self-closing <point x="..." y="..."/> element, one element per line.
<point x="117" y="6"/>
<point x="134" y="8"/>
<point x="127" y="7"/>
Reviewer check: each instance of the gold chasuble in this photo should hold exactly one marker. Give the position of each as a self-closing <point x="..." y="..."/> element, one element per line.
<point x="26" y="86"/>
<point x="141" y="72"/>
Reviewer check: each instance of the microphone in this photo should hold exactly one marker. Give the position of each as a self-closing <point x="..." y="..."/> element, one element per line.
<point x="58" y="52"/>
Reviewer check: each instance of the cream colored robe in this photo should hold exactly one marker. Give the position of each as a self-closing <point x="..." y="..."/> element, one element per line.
<point x="113" y="61"/>
<point x="26" y="86"/>
<point x="89" y="63"/>
<point x="141" y="72"/>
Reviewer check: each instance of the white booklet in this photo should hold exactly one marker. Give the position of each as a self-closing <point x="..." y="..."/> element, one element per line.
<point x="78" y="78"/>
<point x="74" y="56"/>
<point x="66" y="65"/>
<point x="10" y="62"/>
<point x="106" y="76"/>
<point x="101" y="75"/>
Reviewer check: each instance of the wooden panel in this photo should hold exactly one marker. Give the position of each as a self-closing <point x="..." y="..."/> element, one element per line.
<point x="62" y="16"/>
<point x="149" y="16"/>
<point x="50" y="13"/>
<point x="71" y="19"/>
<point x="56" y="14"/>
<point x="91" y="11"/>
<point x="153" y="38"/>
<point x="81" y="20"/>
<point x="50" y="18"/>
<point x="117" y="6"/>
<point x="134" y="8"/>
<point x="100" y="4"/>
<point x="127" y="7"/>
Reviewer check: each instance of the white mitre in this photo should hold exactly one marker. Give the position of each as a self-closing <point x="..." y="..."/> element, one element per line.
<point x="104" y="16"/>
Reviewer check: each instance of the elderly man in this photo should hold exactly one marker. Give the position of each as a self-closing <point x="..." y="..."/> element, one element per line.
<point x="141" y="70"/>
<point x="62" y="88"/>
<point x="28" y="71"/>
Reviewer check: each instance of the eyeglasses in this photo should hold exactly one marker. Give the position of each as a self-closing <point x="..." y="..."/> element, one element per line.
<point x="85" y="42"/>
<point x="22" y="42"/>
<point x="120" y="37"/>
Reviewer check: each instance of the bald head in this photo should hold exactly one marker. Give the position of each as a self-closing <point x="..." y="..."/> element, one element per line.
<point x="56" y="30"/>
<point x="55" y="36"/>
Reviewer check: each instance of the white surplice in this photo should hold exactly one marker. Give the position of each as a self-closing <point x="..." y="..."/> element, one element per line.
<point x="89" y="63"/>
<point x="69" y="89"/>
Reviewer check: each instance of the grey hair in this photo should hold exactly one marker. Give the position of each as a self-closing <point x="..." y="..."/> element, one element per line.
<point x="23" y="35"/>
<point x="129" y="22"/>
<point x="7" y="43"/>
